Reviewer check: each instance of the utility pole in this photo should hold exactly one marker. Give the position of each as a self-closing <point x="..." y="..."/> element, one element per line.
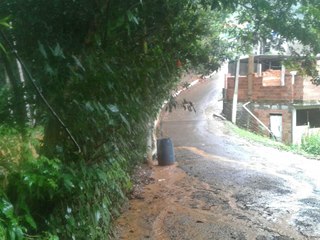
<point x="235" y="93"/>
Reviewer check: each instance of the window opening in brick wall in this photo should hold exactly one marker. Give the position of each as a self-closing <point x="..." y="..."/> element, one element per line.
<point x="309" y="117"/>
<point x="274" y="65"/>
<point x="265" y="63"/>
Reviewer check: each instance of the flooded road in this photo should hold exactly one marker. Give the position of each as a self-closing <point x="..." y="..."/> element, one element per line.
<point x="223" y="187"/>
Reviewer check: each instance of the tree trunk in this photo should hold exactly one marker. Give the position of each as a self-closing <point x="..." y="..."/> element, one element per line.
<point x="19" y="105"/>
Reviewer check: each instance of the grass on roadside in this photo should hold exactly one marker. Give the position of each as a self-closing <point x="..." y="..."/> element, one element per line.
<point x="253" y="137"/>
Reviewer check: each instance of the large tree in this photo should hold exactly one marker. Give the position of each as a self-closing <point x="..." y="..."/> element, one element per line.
<point x="97" y="73"/>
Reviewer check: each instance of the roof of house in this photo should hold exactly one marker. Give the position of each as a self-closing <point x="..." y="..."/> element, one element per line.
<point x="261" y="58"/>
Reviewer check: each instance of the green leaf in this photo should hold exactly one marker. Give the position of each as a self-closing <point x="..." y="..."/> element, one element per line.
<point x="102" y="175"/>
<point x="68" y="183"/>
<point x="29" y="219"/>
<point x="2" y="48"/>
<point x="4" y="22"/>
<point x="113" y="108"/>
<point x="49" y="70"/>
<point x="12" y="234"/>
<point x="42" y="50"/>
<point x="6" y="208"/>
<point x="97" y="216"/>
<point x="89" y="107"/>
<point x="78" y="63"/>
<point x="57" y="51"/>
<point x="108" y="68"/>
<point x="132" y="18"/>
<point x="126" y="122"/>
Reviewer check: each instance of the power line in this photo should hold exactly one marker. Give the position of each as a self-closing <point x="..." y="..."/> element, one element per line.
<point x="33" y="82"/>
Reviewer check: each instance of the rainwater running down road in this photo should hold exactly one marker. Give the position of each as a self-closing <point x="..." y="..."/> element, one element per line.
<point x="223" y="187"/>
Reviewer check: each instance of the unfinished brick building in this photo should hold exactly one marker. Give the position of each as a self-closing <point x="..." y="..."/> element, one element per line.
<point x="271" y="100"/>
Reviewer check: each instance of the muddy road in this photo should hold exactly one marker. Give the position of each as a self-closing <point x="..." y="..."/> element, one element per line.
<point x="223" y="187"/>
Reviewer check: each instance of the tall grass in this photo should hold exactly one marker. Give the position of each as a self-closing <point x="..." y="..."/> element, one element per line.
<point x="311" y="144"/>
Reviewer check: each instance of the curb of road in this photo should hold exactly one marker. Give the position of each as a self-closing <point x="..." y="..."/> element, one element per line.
<point x="153" y="147"/>
<point x="181" y="90"/>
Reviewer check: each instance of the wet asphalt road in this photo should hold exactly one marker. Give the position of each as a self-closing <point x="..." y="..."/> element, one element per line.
<point x="260" y="192"/>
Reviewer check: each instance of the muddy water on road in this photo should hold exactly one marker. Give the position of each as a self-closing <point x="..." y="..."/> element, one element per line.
<point x="178" y="206"/>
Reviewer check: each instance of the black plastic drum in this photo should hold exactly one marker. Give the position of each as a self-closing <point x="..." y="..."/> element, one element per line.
<point x="165" y="152"/>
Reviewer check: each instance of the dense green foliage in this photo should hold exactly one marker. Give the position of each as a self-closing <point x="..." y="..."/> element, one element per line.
<point x="311" y="144"/>
<point x="104" y="69"/>
<point x="40" y="193"/>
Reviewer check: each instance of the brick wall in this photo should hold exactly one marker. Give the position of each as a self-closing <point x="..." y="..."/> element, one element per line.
<point x="264" y="115"/>
<point x="271" y="78"/>
<point x="242" y="89"/>
<point x="269" y="99"/>
<point x="299" y="91"/>
<point x="310" y="91"/>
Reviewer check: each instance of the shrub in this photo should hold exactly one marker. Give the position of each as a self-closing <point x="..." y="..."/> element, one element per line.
<point x="311" y="144"/>
<point x="92" y="196"/>
<point x="10" y="227"/>
<point x="44" y="198"/>
<point x="33" y="189"/>
<point x="29" y="184"/>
